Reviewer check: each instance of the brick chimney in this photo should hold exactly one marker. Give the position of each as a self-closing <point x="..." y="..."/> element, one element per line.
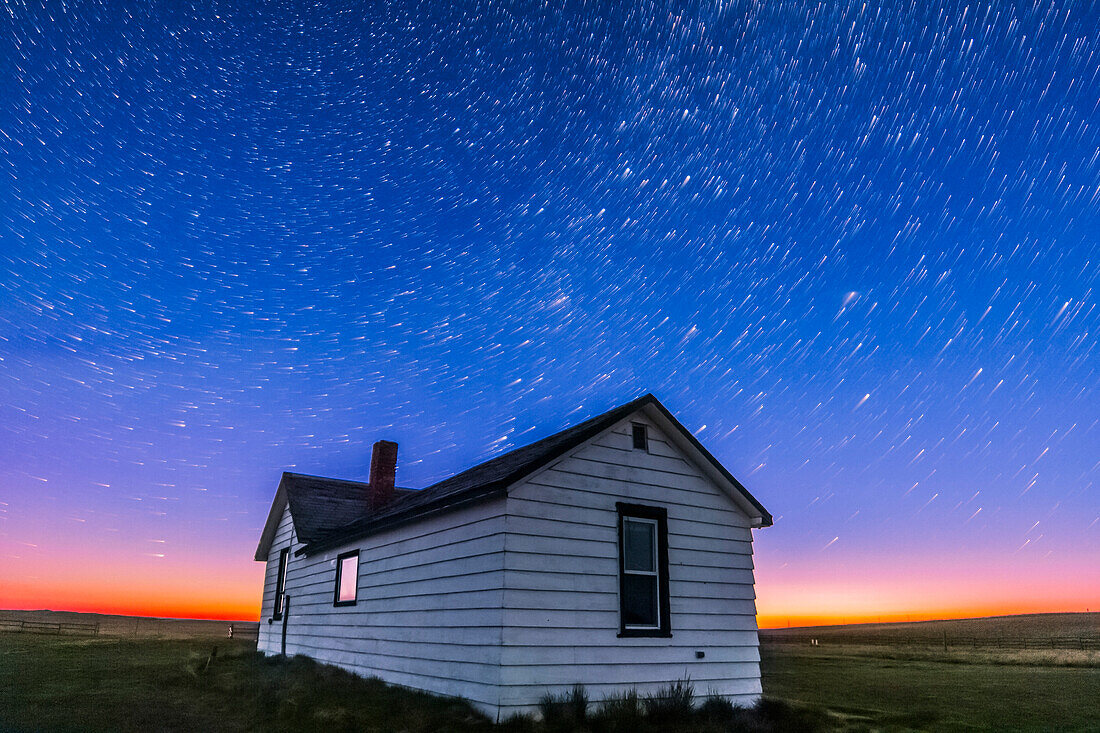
<point x="383" y="472"/>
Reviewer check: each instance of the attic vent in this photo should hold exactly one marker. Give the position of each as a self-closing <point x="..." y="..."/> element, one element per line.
<point x="641" y="442"/>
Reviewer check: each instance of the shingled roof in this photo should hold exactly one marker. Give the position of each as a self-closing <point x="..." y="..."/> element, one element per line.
<point x="328" y="512"/>
<point x="321" y="505"/>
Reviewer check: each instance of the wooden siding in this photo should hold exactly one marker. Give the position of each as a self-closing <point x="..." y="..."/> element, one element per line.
<point x="428" y="613"/>
<point x="269" y="638"/>
<point x="561" y="604"/>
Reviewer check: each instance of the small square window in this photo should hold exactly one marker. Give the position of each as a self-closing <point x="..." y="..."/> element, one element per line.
<point x="347" y="579"/>
<point x="641" y="440"/>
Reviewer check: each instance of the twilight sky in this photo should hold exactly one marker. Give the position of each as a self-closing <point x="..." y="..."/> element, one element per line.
<point x="855" y="248"/>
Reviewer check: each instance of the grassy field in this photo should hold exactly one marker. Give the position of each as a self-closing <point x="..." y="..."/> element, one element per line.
<point x="997" y="673"/>
<point x="1033" y="627"/>
<point x="57" y="683"/>
<point x="52" y="683"/>
<point x="868" y="689"/>
<point x="138" y="682"/>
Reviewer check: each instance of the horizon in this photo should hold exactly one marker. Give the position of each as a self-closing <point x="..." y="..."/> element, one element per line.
<point x="877" y="622"/>
<point x="860" y="268"/>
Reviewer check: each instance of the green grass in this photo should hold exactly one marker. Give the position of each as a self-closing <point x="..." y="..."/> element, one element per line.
<point x="874" y="692"/>
<point x="57" y="683"/>
<point x="1032" y="626"/>
<point x="63" y="684"/>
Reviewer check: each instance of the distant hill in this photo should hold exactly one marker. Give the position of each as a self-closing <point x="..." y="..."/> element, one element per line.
<point x="1024" y="626"/>
<point x="111" y="625"/>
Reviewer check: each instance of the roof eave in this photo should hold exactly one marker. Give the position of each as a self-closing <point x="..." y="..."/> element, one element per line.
<point x="274" y="516"/>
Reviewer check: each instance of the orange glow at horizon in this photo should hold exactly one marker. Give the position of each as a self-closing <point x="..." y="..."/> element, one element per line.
<point x="204" y="581"/>
<point x="154" y="601"/>
<point x="114" y="582"/>
<point x="858" y="590"/>
<point x="232" y="592"/>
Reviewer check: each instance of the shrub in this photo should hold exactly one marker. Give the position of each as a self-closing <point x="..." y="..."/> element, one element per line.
<point x="567" y="711"/>
<point x="717" y="709"/>
<point x="519" y="723"/>
<point x="670" y="703"/>
<point x="619" y="714"/>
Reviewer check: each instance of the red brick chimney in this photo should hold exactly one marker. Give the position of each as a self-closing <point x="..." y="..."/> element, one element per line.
<point x="383" y="472"/>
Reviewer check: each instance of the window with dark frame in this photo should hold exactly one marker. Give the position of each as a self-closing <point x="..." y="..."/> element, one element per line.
<point x="641" y="439"/>
<point x="643" y="571"/>
<point x="347" y="579"/>
<point x="280" y="583"/>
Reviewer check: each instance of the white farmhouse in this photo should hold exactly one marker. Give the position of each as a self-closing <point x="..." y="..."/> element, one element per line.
<point x="616" y="554"/>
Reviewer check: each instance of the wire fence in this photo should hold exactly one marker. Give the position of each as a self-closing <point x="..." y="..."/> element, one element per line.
<point x="66" y="623"/>
<point x="42" y="627"/>
<point x="244" y="631"/>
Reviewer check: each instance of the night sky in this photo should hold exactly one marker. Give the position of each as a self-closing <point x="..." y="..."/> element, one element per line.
<point x="854" y="248"/>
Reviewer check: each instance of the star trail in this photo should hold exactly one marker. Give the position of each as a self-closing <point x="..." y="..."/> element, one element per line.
<point x="854" y="247"/>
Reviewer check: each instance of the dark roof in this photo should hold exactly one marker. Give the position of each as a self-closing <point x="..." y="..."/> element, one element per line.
<point x="321" y="505"/>
<point x="335" y="513"/>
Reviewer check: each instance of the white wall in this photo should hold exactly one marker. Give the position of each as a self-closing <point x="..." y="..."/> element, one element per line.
<point x="561" y="577"/>
<point x="269" y="638"/>
<point x="429" y="604"/>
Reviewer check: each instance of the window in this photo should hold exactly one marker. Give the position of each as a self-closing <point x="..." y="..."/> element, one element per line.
<point x="347" y="579"/>
<point x="641" y="440"/>
<point x="280" y="584"/>
<point x="643" y="571"/>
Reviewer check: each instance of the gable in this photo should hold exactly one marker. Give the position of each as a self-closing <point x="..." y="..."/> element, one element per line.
<point x="692" y="450"/>
<point x="668" y="460"/>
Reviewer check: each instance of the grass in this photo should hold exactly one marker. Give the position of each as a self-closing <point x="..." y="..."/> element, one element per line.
<point x="956" y="655"/>
<point x="59" y="683"/>
<point x="1036" y="627"/>
<point x="866" y="689"/>
<point x="669" y="710"/>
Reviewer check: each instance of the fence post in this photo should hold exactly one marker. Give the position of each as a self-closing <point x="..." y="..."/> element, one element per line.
<point x="945" y="639"/>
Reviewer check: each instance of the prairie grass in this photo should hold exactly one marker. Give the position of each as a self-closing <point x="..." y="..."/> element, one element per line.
<point x="881" y="688"/>
<point x="1011" y="629"/>
<point x="51" y="683"/>
<point x="57" y="684"/>
<point x="962" y="655"/>
<point x="671" y="709"/>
